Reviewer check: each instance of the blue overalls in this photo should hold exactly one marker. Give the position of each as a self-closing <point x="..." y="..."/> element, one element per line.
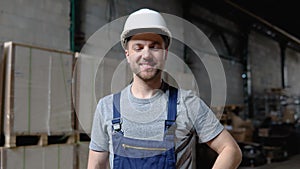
<point x="145" y="154"/>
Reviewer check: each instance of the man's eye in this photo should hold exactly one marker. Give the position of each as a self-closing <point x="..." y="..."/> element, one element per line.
<point x="137" y="48"/>
<point x="156" y="47"/>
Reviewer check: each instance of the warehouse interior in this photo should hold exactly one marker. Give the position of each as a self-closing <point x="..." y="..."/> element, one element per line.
<point x="56" y="62"/>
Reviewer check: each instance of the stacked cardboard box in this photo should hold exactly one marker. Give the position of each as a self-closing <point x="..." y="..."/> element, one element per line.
<point x="83" y="152"/>
<point x="38" y="103"/>
<point x="242" y="130"/>
<point x="37" y="97"/>
<point x="37" y="114"/>
<point x="59" y="156"/>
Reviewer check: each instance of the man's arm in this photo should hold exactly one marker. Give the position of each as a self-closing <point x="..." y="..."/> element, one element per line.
<point x="98" y="160"/>
<point x="230" y="155"/>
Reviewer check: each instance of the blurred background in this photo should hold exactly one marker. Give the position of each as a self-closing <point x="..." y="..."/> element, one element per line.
<point x="46" y="111"/>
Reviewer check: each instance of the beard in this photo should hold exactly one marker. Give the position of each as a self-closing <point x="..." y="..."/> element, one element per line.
<point x="149" y="75"/>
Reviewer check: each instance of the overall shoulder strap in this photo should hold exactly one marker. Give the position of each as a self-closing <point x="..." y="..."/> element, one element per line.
<point x="116" y="121"/>
<point x="172" y="107"/>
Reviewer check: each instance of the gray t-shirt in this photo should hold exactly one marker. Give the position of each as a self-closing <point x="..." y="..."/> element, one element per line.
<point x="145" y="119"/>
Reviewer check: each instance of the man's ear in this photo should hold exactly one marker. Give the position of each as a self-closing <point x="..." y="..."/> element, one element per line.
<point x="166" y="53"/>
<point x="126" y="54"/>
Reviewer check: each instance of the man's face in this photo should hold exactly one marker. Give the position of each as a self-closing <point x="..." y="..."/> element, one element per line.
<point x="146" y="55"/>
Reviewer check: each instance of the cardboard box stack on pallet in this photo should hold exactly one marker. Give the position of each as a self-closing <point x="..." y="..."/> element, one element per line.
<point x="37" y="121"/>
<point x="241" y="130"/>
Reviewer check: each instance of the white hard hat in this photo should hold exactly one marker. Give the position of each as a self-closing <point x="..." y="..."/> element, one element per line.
<point x="145" y="20"/>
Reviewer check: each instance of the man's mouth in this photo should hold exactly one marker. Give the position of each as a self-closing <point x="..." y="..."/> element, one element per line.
<point x="147" y="65"/>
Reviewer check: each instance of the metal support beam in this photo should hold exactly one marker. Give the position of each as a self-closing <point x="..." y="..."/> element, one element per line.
<point x="77" y="37"/>
<point x="72" y="25"/>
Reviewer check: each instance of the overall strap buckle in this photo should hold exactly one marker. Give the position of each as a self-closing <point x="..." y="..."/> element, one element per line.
<point x="116" y="121"/>
<point x="116" y="124"/>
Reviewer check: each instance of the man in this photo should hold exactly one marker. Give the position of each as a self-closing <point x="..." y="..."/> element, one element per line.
<point x="150" y="124"/>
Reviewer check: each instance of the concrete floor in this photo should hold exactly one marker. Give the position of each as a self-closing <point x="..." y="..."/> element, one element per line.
<point x="292" y="163"/>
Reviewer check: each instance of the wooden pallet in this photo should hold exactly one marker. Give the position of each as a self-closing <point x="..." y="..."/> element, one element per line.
<point x="40" y="140"/>
<point x="82" y="137"/>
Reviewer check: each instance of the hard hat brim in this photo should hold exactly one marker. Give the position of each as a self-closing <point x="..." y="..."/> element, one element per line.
<point x="160" y="31"/>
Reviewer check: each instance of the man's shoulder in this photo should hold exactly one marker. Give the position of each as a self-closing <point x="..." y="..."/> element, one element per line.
<point x="106" y="98"/>
<point x="109" y="98"/>
<point x="190" y="98"/>
<point x="181" y="91"/>
<point x="187" y="93"/>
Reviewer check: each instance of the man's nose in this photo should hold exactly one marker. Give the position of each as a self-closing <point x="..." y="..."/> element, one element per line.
<point x="146" y="53"/>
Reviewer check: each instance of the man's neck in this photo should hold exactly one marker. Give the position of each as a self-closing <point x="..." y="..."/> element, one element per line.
<point x="145" y="89"/>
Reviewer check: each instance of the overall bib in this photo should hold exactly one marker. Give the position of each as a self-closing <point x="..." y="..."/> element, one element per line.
<point x="132" y="153"/>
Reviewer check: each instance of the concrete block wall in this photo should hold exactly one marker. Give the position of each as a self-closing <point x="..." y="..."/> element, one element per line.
<point x="97" y="13"/>
<point x="93" y="16"/>
<point x="264" y="58"/>
<point x="206" y="17"/>
<point x="234" y="83"/>
<point x="292" y="78"/>
<point x="168" y="6"/>
<point x="233" y="70"/>
<point x="36" y="22"/>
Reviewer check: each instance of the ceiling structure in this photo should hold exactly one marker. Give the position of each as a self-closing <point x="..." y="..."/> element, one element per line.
<point x="276" y="18"/>
<point x="282" y="14"/>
